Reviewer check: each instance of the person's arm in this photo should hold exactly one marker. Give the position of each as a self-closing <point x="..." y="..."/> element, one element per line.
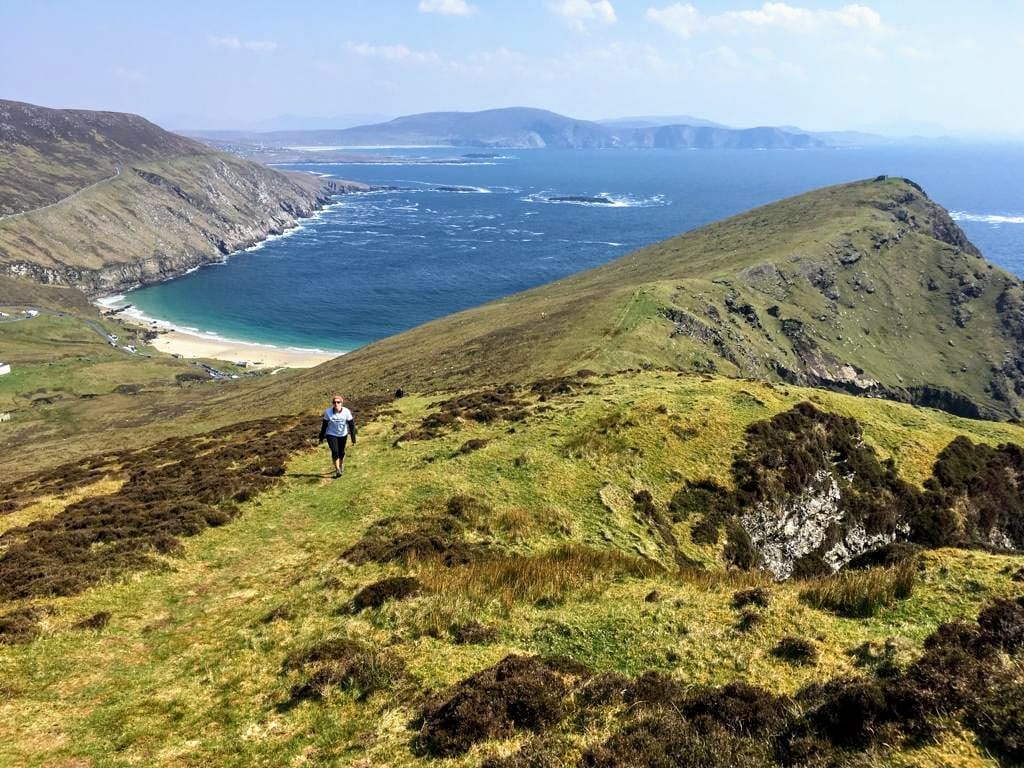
<point x="323" y="430"/>
<point x="352" y="429"/>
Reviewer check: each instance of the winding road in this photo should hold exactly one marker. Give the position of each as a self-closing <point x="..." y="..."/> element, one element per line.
<point x="73" y="195"/>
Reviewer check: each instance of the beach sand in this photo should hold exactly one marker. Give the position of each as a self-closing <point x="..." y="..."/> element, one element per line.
<point x="254" y="355"/>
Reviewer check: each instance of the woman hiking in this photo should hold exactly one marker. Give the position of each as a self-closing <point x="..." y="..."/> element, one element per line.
<point x="337" y="425"/>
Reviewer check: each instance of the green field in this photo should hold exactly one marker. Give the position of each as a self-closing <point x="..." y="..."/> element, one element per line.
<point x="188" y="670"/>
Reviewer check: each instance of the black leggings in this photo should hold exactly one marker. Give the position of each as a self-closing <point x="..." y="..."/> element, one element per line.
<point x="337" y="446"/>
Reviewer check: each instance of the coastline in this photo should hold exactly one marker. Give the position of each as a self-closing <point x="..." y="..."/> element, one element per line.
<point x="193" y="343"/>
<point x="259" y="356"/>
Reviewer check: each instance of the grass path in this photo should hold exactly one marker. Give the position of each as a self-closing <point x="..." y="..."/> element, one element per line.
<point x="188" y="671"/>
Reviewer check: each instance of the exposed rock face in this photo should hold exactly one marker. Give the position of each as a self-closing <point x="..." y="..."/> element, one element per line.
<point x="157" y="221"/>
<point x="810" y="496"/>
<point x="840" y="314"/>
<point x="121" y="202"/>
<point x="811" y="523"/>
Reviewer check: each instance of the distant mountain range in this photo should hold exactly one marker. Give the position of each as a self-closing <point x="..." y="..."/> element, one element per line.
<point x="522" y="128"/>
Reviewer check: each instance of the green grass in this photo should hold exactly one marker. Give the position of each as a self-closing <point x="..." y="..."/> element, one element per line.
<point x="61" y="393"/>
<point x="892" y="312"/>
<point x="188" y="670"/>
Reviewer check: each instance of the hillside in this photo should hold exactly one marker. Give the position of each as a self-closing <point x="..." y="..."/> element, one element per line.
<point x="653" y="562"/>
<point x="520" y="127"/>
<point x="867" y="287"/>
<point x="105" y="201"/>
<point x="47" y="154"/>
<point x="524" y="576"/>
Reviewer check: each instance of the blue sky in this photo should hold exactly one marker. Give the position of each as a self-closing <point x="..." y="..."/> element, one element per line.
<point x="898" y="66"/>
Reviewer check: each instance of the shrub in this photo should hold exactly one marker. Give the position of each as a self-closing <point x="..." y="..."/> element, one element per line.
<point x="759" y="596"/>
<point x="738" y="707"/>
<point x="379" y="592"/>
<point x="795" y="650"/>
<point x="518" y="693"/>
<point x="663" y="739"/>
<point x="739" y="548"/>
<point x="885" y="556"/>
<point x="467" y="508"/>
<point x="749" y="620"/>
<point x="19" y="626"/>
<point x="394" y="539"/>
<point x="473" y="632"/>
<point x="97" y="621"/>
<point x="342" y="663"/>
<point x="1002" y="623"/>
<point x="849" y="712"/>
<point x="473" y="445"/>
<point x="860" y="594"/>
<point x="703" y="497"/>
<point x="999" y="722"/>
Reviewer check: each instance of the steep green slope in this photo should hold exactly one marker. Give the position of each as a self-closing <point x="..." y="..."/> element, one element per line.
<point x="258" y="643"/>
<point x="47" y="154"/>
<point x="105" y="201"/>
<point x="867" y="287"/>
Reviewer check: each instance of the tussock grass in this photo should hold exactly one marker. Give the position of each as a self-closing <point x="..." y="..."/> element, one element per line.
<point x="861" y="594"/>
<point x="543" y="578"/>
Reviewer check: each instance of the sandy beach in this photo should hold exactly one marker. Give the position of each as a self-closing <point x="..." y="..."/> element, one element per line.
<point x="255" y="355"/>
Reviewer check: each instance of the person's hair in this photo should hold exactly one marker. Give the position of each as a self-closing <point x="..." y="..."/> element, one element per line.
<point x="337" y="395"/>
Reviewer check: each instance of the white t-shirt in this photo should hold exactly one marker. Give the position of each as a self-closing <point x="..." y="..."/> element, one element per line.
<point x="337" y="421"/>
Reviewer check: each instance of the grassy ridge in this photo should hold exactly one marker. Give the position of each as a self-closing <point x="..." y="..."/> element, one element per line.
<point x="194" y="659"/>
<point x="842" y="287"/>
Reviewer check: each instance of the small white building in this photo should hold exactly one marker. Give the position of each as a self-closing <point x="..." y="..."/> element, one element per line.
<point x="5" y="368"/>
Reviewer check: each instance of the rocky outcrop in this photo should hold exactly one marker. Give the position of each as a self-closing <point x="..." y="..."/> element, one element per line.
<point x="158" y="221"/>
<point x="810" y="496"/>
<point x="811" y="526"/>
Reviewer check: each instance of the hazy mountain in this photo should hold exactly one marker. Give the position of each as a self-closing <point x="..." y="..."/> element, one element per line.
<point x="520" y="127"/>
<point x="621" y="123"/>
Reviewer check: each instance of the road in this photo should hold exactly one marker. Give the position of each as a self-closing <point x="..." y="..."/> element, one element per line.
<point x="73" y="195"/>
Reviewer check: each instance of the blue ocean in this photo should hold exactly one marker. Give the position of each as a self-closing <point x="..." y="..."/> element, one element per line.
<point x="449" y="236"/>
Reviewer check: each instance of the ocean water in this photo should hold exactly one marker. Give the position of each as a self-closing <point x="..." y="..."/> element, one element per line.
<point x="454" y="235"/>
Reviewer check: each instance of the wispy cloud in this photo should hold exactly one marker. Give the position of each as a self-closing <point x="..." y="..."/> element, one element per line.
<point x="447" y="7"/>
<point x="582" y="14"/>
<point x="684" y="19"/>
<point x="398" y="53"/>
<point x="236" y="43"/>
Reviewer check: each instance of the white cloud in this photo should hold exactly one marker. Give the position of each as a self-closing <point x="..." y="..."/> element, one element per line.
<point x="235" y="43"/>
<point x="683" y="19"/>
<point x="447" y="7"/>
<point x="397" y="53"/>
<point x="131" y="75"/>
<point x="580" y="14"/>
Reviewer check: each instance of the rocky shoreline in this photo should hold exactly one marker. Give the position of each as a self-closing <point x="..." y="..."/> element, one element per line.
<point x="181" y="230"/>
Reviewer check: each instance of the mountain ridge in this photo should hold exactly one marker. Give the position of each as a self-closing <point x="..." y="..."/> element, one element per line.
<point x="529" y="128"/>
<point x="106" y="201"/>
<point x="868" y="287"/>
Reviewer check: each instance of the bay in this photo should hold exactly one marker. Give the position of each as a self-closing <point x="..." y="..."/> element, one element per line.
<point x="455" y="235"/>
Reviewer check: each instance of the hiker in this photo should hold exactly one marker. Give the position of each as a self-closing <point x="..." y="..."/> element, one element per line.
<point x="337" y="425"/>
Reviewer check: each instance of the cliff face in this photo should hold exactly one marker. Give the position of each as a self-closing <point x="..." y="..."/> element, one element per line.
<point x="106" y="201"/>
<point x="155" y="221"/>
<point x="47" y="154"/>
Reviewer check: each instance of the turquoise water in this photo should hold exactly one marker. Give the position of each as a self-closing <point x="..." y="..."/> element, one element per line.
<point x="457" y="235"/>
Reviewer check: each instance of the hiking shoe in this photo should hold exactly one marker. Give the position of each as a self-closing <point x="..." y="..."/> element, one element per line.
<point x="337" y="474"/>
